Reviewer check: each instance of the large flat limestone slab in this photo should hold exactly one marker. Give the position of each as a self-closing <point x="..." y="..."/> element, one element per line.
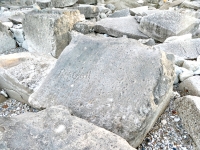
<point x="118" y="27"/>
<point x="118" y="84"/>
<point x="163" y="24"/>
<point x="189" y="110"/>
<point x="56" y="129"/>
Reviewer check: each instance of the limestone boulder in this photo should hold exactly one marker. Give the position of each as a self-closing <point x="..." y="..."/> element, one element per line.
<point x="84" y="27"/>
<point x="110" y="82"/>
<point x="87" y="2"/>
<point x="164" y="24"/>
<point x="48" y="31"/>
<point x="186" y="49"/>
<point x="22" y="73"/>
<point x="189" y="110"/>
<point x="190" y="86"/>
<point x="120" y="13"/>
<point x="6" y="40"/>
<point x="55" y="128"/>
<point x="63" y="3"/>
<point x="118" y="27"/>
<point x="89" y="11"/>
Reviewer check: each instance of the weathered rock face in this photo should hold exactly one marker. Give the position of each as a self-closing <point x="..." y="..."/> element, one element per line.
<point x="164" y="24"/>
<point x="22" y="73"/>
<point x="118" y="27"/>
<point x="101" y="80"/>
<point x="190" y="86"/>
<point x="63" y="3"/>
<point x="6" y="40"/>
<point x="120" y="13"/>
<point x="48" y="31"/>
<point x="189" y="110"/>
<point x="185" y="49"/>
<point x="89" y="11"/>
<point x="87" y="1"/>
<point x="54" y="128"/>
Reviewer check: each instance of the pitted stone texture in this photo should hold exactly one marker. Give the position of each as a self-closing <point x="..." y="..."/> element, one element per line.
<point x="47" y="31"/>
<point x="118" y="27"/>
<point x="190" y="86"/>
<point x="189" y="110"/>
<point x="186" y="49"/>
<point x="120" y="13"/>
<point x="87" y="1"/>
<point x="84" y="27"/>
<point x="6" y="40"/>
<point x="111" y="83"/>
<point x="22" y="73"/>
<point x="63" y="3"/>
<point x="89" y="11"/>
<point x="55" y="128"/>
<point x="164" y="24"/>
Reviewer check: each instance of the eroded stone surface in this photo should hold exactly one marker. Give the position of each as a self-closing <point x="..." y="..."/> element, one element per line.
<point x="22" y="73"/>
<point x="164" y="24"/>
<point x="55" y="128"/>
<point x="101" y="80"/>
<point x="189" y="110"/>
<point x="48" y="31"/>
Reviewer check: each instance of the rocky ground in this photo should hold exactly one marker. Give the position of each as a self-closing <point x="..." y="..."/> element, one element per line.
<point x="93" y="74"/>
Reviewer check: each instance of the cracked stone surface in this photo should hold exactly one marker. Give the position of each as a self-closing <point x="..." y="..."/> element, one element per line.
<point x="115" y="72"/>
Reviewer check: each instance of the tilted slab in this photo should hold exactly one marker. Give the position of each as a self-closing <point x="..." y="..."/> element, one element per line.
<point x="118" y="84"/>
<point x="56" y="129"/>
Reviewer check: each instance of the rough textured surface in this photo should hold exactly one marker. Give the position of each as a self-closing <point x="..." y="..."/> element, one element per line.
<point x="6" y="40"/>
<point x="189" y="110"/>
<point x="118" y="27"/>
<point x="185" y="49"/>
<point x="22" y="73"/>
<point x="89" y="11"/>
<point x="55" y="128"/>
<point x="48" y="31"/>
<point x="84" y="27"/>
<point x="101" y="80"/>
<point x="63" y="3"/>
<point x="120" y="13"/>
<point x="164" y="24"/>
<point x="190" y="86"/>
<point x="87" y="1"/>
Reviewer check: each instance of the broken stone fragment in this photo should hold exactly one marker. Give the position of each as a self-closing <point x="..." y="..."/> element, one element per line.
<point x="47" y="31"/>
<point x="189" y="110"/>
<point x="56" y="129"/>
<point x="118" y="27"/>
<point x="115" y="71"/>
<point x="89" y="11"/>
<point x="164" y="24"/>
<point x="22" y="73"/>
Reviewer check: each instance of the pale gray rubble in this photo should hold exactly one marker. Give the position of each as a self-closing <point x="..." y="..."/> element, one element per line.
<point x="171" y="4"/>
<point x="89" y="11"/>
<point x="191" y="4"/>
<point x="118" y="27"/>
<point x="120" y="13"/>
<point x="163" y="24"/>
<point x="138" y="10"/>
<point x="63" y="3"/>
<point x="87" y="1"/>
<point x="48" y="31"/>
<point x="22" y="73"/>
<point x="84" y="27"/>
<point x="7" y="42"/>
<point x="190" y="86"/>
<point x="17" y="18"/>
<point x="114" y="72"/>
<point x="189" y="49"/>
<point x="55" y="128"/>
<point x="189" y="110"/>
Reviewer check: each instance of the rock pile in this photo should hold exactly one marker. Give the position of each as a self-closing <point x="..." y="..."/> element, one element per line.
<point x="92" y="74"/>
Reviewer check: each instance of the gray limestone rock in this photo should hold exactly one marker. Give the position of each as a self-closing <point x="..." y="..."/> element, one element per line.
<point x="189" y="110"/>
<point x="44" y="3"/>
<point x="191" y="4"/>
<point x="118" y="27"/>
<point x="87" y="1"/>
<point x="17" y="18"/>
<point x="56" y="129"/>
<point x="84" y="27"/>
<point x="22" y="73"/>
<point x="47" y="31"/>
<point x="6" y="40"/>
<point x="62" y="3"/>
<point x="164" y="24"/>
<point x="190" y="86"/>
<point x="138" y="10"/>
<point x="18" y="34"/>
<point x="120" y="13"/>
<point x="110" y="82"/>
<point x="89" y="11"/>
<point x="186" y="49"/>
